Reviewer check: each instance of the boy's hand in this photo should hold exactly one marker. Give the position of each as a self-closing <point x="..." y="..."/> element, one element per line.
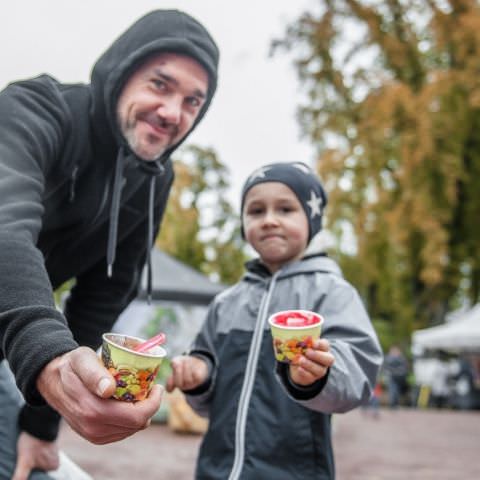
<point x="313" y="365"/>
<point x="187" y="373"/>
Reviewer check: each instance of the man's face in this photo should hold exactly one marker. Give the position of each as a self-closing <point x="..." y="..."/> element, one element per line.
<point x="275" y="224"/>
<point x="160" y="103"/>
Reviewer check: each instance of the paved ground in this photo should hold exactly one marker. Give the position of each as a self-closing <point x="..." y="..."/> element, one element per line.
<point x="398" y="445"/>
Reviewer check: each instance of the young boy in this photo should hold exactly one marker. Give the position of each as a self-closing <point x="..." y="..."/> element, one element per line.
<point x="270" y="420"/>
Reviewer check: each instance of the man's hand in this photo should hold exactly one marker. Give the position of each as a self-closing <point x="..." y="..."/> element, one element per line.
<point x="79" y="387"/>
<point x="34" y="453"/>
<point x="187" y="373"/>
<point x="313" y="365"/>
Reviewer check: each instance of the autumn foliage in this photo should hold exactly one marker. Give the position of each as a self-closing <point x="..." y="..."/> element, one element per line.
<point x="392" y="104"/>
<point x="200" y="227"/>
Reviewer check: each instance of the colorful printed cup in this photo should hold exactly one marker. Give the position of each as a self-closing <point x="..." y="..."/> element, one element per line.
<point x="134" y="372"/>
<point x="294" y="331"/>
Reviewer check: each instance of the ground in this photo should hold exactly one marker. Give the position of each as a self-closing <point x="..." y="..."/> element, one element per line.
<point x="399" y="444"/>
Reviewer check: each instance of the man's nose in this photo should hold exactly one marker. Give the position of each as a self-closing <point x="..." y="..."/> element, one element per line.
<point x="171" y="110"/>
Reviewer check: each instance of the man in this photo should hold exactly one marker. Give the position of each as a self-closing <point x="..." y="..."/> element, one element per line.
<point x="396" y="372"/>
<point x="85" y="174"/>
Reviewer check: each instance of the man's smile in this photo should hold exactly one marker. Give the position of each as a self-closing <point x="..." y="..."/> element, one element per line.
<point x="158" y="125"/>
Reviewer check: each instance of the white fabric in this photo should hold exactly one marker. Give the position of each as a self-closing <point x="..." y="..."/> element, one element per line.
<point x="459" y="335"/>
<point x="69" y="470"/>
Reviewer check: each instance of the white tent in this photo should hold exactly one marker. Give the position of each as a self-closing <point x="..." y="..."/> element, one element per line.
<point x="180" y="299"/>
<point x="460" y="335"/>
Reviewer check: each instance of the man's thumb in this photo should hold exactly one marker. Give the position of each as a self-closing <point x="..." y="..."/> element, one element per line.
<point x="106" y="387"/>
<point x="22" y="471"/>
<point x="92" y="373"/>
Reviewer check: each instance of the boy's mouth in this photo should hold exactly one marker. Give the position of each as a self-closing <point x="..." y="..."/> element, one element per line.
<point x="271" y="236"/>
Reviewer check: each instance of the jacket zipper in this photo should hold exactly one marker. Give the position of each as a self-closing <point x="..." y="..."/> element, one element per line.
<point x="248" y="381"/>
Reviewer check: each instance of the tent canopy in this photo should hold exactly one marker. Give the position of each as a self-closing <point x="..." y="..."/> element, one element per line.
<point x="461" y="335"/>
<point x="175" y="281"/>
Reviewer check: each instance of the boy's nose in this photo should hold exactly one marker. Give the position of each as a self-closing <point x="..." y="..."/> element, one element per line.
<point x="270" y="218"/>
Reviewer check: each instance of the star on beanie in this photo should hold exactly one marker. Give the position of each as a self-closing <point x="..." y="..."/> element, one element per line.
<point x="304" y="183"/>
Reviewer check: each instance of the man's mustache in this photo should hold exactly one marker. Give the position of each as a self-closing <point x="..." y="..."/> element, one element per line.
<point x="159" y="122"/>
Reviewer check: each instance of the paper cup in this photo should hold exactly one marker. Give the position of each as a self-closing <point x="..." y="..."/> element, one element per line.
<point x="134" y="372"/>
<point x="294" y="331"/>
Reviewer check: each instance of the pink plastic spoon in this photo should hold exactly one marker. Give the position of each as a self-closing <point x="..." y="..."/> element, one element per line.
<point x="150" y="343"/>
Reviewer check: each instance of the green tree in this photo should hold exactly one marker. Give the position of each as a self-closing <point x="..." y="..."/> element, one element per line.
<point x="200" y="227"/>
<point x="393" y="107"/>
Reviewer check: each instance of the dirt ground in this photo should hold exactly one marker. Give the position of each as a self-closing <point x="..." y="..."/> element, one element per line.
<point x="398" y="445"/>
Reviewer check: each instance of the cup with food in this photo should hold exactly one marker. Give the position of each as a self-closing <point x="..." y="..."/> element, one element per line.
<point x="134" y="368"/>
<point x="294" y="331"/>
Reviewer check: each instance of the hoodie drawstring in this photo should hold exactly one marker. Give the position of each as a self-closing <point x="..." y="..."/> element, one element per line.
<point x="114" y="210"/>
<point x="151" y="198"/>
<point x="154" y="171"/>
<point x="73" y="179"/>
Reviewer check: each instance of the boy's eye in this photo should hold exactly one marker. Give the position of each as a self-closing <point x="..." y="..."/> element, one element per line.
<point x="287" y="208"/>
<point x="255" y="211"/>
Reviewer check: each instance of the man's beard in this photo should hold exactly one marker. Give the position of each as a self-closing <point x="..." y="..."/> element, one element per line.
<point x="135" y="146"/>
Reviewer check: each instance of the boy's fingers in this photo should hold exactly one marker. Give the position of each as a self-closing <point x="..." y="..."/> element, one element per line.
<point x="170" y="384"/>
<point x="302" y="376"/>
<point x="324" y="358"/>
<point x="188" y="376"/>
<point x="322" y="344"/>
<point x="314" y="369"/>
<point x="179" y="372"/>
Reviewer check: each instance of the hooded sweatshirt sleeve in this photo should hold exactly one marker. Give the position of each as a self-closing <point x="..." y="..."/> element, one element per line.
<point x="32" y="331"/>
<point x="204" y="347"/>
<point x="358" y="355"/>
<point x="91" y="309"/>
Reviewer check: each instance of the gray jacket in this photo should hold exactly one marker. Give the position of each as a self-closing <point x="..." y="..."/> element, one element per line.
<point x="262" y="426"/>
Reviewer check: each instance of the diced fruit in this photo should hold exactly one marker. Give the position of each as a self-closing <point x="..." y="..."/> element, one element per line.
<point x="135" y="389"/>
<point x="120" y="391"/>
<point x="290" y="350"/>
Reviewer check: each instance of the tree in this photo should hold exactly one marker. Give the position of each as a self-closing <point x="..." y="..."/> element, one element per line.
<point x="393" y="108"/>
<point x="199" y="227"/>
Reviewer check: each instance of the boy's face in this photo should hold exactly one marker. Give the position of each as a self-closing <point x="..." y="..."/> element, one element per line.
<point x="275" y="224"/>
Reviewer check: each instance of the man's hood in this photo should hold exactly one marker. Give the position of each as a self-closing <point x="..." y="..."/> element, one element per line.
<point x="158" y="31"/>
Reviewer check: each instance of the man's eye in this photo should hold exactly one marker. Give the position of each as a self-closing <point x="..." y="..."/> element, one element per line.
<point x="159" y="84"/>
<point x="193" y="102"/>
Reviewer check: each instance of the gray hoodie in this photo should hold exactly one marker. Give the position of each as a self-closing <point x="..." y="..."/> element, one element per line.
<point x="262" y="426"/>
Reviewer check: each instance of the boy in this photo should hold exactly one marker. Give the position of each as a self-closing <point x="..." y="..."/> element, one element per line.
<point x="271" y="420"/>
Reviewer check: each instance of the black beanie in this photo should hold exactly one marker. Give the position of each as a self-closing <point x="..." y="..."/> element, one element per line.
<point x="302" y="180"/>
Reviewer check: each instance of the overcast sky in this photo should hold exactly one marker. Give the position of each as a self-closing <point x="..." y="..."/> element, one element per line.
<point x="251" y="121"/>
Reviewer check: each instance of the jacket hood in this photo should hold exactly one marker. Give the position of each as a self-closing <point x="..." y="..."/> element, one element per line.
<point x="318" y="262"/>
<point x="158" y="31"/>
